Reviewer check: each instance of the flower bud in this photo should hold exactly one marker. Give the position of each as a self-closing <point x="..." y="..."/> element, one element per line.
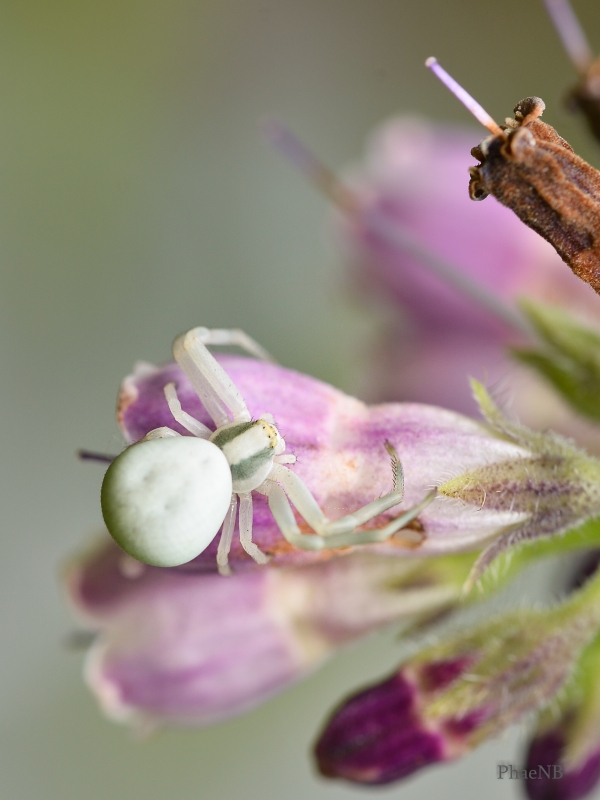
<point x="457" y="694"/>
<point x="378" y="737"/>
<point x="567" y="742"/>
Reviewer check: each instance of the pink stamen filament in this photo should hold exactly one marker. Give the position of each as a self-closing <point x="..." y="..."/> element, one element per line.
<point x="294" y="151"/>
<point x="465" y="98"/>
<point x="571" y="33"/>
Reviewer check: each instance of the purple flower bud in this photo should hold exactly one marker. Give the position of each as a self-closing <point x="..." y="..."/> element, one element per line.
<point x="380" y="735"/>
<point x="563" y="760"/>
<point x="455" y="695"/>
<point x="377" y="736"/>
<point x="553" y="779"/>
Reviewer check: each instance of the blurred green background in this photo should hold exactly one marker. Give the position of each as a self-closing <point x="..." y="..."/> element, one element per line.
<point x="137" y="199"/>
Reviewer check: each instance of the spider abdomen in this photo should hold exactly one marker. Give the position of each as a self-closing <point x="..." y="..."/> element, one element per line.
<point x="164" y="500"/>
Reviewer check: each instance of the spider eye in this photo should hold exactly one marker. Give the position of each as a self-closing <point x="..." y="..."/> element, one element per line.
<point x="164" y="500"/>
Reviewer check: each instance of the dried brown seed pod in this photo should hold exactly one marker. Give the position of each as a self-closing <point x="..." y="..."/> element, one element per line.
<point x="532" y="170"/>
<point x="528" y="167"/>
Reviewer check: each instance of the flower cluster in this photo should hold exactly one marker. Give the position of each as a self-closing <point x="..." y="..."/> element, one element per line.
<point x="167" y="637"/>
<point x="332" y="541"/>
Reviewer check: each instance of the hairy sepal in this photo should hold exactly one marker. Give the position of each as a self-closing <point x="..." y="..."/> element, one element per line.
<point x="556" y="487"/>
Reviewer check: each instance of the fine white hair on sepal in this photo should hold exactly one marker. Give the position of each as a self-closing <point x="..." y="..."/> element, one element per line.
<point x="165" y="499"/>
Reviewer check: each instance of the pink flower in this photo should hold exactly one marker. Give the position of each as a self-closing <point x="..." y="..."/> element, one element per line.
<point x="178" y="646"/>
<point x="339" y="445"/>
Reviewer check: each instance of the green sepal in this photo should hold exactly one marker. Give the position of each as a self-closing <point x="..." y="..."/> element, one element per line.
<point x="514" y="664"/>
<point x="554" y="485"/>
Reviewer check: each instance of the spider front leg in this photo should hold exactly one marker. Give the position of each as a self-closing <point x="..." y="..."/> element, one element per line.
<point x="233" y="337"/>
<point x="343" y="532"/>
<point x="212" y="384"/>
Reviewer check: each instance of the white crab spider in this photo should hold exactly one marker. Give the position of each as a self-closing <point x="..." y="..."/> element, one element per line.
<point x="165" y="498"/>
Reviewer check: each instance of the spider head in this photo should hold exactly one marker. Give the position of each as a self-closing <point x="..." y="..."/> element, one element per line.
<point x="250" y="448"/>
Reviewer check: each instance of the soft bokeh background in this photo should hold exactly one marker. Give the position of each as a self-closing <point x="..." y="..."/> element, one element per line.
<point x="136" y="200"/>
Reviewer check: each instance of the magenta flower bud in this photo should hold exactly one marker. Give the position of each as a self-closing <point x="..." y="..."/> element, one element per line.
<point x="563" y="760"/>
<point x="453" y="696"/>
<point x="377" y="736"/>
<point x="547" y="776"/>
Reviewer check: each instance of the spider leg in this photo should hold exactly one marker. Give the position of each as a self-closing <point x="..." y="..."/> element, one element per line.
<point x="286" y="522"/>
<point x="182" y="417"/>
<point x="212" y="384"/>
<point x="246" y="530"/>
<point x="343" y="532"/>
<point x="284" y="517"/>
<point x="381" y="534"/>
<point x="302" y="498"/>
<point x="234" y="337"/>
<point x="226" y="537"/>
